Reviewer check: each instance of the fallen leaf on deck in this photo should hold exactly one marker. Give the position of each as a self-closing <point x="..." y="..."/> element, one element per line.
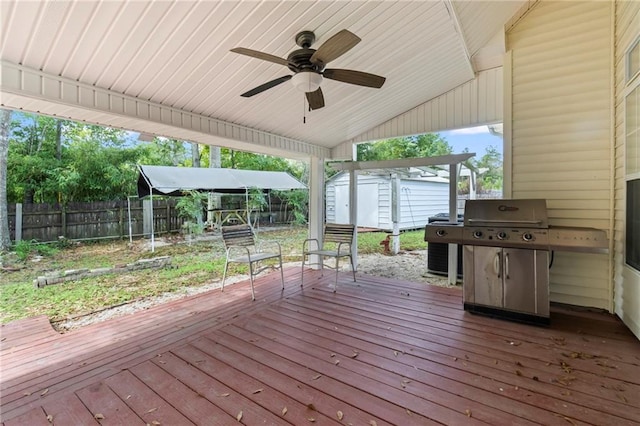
<point x="373" y="423"/>
<point x="339" y="415"/>
<point x="44" y="392"/>
<point x="468" y="413"/>
<point x="518" y="373"/>
<point x="409" y="412"/>
<point x="155" y="423"/>
<point x="354" y="354"/>
<point x="284" y="411"/>
<point x="310" y="406"/>
<point x="332" y="355"/>
<point x="128" y="397"/>
<point x="317" y="376"/>
<point x="27" y="393"/>
<point x="622" y="398"/>
<point x="224" y="395"/>
<point x="258" y="390"/>
<point x="50" y="418"/>
<point x="337" y="362"/>
<point x="239" y="416"/>
<point x="536" y="378"/>
<point x="98" y="416"/>
<point x="395" y="353"/>
<point x="519" y="364"/>
<point x="152" y="410"/>
<point x="566" y="418"/>
<point x="311" y="419"/>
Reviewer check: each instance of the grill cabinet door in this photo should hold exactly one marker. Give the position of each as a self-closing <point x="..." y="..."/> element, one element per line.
<point x="519" y="279"/>
<point x="487" y="273"/>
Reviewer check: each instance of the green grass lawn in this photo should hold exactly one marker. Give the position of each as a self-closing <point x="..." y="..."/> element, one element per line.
<point x="192" y="265"/>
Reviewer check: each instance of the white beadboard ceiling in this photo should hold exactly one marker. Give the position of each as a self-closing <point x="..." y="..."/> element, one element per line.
<point x="176" y="53"/>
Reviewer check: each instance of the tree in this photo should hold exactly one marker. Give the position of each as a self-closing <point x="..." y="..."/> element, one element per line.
<point x="5" y="122"/>
<point x="492" y="178"/>
<point x="427" y="145"/>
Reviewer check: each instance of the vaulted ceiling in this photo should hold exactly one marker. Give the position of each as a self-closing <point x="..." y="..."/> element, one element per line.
<point x="177" y="54"/>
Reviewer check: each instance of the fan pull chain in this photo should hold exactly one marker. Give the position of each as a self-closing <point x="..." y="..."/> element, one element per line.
<point x="304" y="110"/>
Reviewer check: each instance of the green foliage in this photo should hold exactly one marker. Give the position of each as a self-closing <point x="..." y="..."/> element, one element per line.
<point x="298" y="199"/>
<point x="426" y="145"/>
<point x="25" y="249"/>
<point x="492" y="178"/>
<point x="190" y="207"/>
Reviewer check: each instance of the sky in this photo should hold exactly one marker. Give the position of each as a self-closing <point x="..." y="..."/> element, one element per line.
<point x="477" y="139"/>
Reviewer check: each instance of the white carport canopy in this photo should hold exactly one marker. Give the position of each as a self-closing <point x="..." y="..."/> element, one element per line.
<point x="174" y="181"/>
<point x="166" y="180"/>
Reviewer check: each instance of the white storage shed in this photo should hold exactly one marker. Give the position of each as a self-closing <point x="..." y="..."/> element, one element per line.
<point x="420" y="197"/>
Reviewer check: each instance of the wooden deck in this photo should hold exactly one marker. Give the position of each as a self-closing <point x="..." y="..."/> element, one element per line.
<point x="378" y="351"/>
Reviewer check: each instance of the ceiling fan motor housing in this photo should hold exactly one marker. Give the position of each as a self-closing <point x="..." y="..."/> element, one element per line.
<point x="300" y="60"/>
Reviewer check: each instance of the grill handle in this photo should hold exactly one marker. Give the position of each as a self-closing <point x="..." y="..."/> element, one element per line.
<point x="485" y="222"/>
<point x="496" y="265"/>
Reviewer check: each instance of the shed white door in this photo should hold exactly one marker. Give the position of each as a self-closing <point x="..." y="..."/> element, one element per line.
<point x="367" y="204"/>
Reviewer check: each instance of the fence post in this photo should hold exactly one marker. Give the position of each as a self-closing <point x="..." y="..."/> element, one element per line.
<point x="121" y="220"/>
<point x="168" y="216"/>
<point x="63" y="220"/>
<point x="18" y="222"/>
<point x="147" y="217"/>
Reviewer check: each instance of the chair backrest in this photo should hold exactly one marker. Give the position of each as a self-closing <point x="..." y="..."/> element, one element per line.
<point x="238" y="235"/>
<point x="338" y="233"/>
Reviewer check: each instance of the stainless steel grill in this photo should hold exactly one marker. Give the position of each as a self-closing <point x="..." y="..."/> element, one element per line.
<point x="506" y="255"/>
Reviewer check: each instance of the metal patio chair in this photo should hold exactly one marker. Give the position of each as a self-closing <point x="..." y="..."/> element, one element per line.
<point x="340" y="235"/>
<point x="241" y="247"/>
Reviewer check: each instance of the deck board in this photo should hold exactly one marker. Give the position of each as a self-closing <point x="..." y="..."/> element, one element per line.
<point x="408" y="354"/>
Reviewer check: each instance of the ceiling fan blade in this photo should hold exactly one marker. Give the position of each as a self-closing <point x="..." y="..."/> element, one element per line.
<point x="315" y="99"/>
<point x="339" y="44"/>
<point x="260" y="55"/>
<point x="265" y="86"/>
<point x="354" y="77"/>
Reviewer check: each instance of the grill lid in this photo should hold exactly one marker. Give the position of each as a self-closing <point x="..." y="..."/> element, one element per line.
<point x="525" y="213"/>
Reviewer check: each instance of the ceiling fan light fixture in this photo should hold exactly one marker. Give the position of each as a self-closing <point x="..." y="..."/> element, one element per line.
<point x="306" y="81"/>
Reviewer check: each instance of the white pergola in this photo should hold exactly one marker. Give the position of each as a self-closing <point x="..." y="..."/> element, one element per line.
<point x="452" y="161"/>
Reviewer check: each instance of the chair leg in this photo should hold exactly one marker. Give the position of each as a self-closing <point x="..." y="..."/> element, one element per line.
<point x="281" y="273"/>
<point x="253" y="293"/>
<point x="224" y="275"/>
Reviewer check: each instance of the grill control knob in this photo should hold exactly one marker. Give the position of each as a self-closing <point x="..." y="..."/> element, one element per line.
<point x="441" y="232"/>
<point x="527" y="236"/>
<point x="477" y="234"/>
<point x="502" y="235"/>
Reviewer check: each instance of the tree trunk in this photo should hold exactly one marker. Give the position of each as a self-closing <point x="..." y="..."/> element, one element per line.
<point x="195" y="155"/>
<point x="5" y="121"/>
<point x="59" y="140"/>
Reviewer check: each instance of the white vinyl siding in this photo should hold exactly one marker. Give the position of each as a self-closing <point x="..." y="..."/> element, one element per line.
<point x="627" y="159"/>
<point x="561" y="132"/>
<point x="476" y="102"/>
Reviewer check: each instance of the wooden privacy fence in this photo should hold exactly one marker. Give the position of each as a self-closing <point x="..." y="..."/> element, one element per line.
<point x="90" y="221"/>
<point x="45" y="222"/>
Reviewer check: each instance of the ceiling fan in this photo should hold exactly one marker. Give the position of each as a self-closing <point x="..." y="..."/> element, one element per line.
<point x="308" y="66"/>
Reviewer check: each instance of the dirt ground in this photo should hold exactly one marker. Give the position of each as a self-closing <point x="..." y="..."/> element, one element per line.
<point x="411" y="265"/>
